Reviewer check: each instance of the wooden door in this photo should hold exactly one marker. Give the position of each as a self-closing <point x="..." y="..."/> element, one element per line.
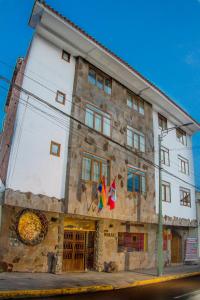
<point x="176" y="248"/>
<point x="90" y="250"/>
<point x="74" y="249"/>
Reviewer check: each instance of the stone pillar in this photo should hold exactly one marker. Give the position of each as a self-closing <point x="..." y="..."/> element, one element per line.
<point x="99" y="241"/>
<point x="59" y="250"/>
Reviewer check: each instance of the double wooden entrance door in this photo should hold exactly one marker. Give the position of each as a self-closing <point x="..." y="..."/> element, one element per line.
<point x="78" y="250"/>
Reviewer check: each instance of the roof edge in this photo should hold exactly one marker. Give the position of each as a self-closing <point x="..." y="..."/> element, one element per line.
<point x="119" y="59"/>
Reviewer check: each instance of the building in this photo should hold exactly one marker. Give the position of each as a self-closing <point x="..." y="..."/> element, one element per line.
<point x="76" y="112"/>
<point x="198" y="221"/>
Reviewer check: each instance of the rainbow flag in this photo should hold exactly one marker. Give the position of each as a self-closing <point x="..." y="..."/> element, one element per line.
<point x="102" y="193"/>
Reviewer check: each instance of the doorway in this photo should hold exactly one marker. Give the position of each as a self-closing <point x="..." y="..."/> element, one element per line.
<point x="176" y="248"/>
<point x="78" y="250"/>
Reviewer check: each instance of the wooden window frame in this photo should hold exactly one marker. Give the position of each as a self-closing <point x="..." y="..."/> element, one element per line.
<point x="126" y="242"/>
<point x="131" y="100"/>
<point x="166" y="184"/>
<point x="183" y="138"/>
<point x="101" y="114"/>
<point x="68" y="55"/>
<point x="110" y="79"/>
<point x="139" y="134"/>
<point x="139" y="101"/>
<point x="182" y="201"/>
<point x="98" y="159"/>
<point x="59" y="148"/>
<point x="99" y="73"/>
<point x="162" y="118"/>
<point x="185" y="162"/>
<point x="64" y="97"/>
<point x="144" y="175"/>
<point x="165" y="150"/>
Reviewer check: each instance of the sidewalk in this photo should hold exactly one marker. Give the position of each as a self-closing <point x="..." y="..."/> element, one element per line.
<point x="43" y="284"/>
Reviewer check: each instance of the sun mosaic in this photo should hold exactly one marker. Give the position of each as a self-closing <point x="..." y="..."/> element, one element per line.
<point x="31" y="227"/>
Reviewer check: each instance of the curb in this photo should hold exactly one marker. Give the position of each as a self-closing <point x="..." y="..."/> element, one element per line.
<point x="88" y="289"/>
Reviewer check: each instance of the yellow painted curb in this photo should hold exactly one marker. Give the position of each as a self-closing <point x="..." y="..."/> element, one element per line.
<point x="88" y="289"/>
<point x="158" y="280"/>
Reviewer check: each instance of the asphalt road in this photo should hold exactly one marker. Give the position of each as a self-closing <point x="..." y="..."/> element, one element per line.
<point x="182" y="289"/>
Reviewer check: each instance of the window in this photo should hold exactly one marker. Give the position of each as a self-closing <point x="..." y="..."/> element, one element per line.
<point x="60" y="97"/>
<point x="166" y="192"/>
<point x="55" y="149"/>
<point x="185" y="198"/>
<point x="181" y="136"/>
<point x="135" y="139"/>
<point x="66" y="56"/>
<point x="101" y="81"/>
<point x="92" y="76"/>
<point x="165" y="156"/>
<point x="107" y="86"/>
<point x="162" y="122"/>
<point x="93" y="168"/>
<point x="136" y="181"/>
<point x="183" y="165"/>
<point x="132" y="242"/>
<point x="98" y="120"/>
<point x="135" y="103"/>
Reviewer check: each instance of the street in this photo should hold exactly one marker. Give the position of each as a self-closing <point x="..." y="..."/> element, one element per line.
<point x="182" y="289"/>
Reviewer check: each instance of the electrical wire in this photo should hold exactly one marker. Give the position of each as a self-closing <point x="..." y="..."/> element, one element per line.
<point x="84" y="125"/>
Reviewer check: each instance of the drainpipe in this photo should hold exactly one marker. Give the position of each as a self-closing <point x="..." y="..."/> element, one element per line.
<point x="198" y="223"/>
<point x="2" y="194"/>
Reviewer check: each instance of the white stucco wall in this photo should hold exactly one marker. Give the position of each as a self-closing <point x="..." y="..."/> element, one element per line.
<point x="31" y="167"/>
<point x="174" y="208"/>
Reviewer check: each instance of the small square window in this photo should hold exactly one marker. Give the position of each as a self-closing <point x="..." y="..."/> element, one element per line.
<point x="55" y="149"/>
<point x="66" y="56"/>
<point x="60" y="97"/>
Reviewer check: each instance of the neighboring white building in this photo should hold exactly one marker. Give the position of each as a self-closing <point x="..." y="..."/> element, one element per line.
<point x="178" y="182"/>
<point x="30" y="164"/>
<point x="178" y="160"/>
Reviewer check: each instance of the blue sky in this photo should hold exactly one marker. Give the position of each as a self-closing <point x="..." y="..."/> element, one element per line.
<point x="161" y="39"/>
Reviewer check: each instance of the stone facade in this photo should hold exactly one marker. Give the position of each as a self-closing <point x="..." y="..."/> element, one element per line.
<point x="127" y="260"/>
<point x="30" y="200"/>
<point x="16" y="256"/>
<point x="81" y="196"/>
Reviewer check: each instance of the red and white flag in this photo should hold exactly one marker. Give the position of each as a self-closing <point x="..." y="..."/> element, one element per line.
<point x="112" y="196"/>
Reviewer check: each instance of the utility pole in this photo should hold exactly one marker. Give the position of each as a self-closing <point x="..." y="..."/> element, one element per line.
<point x="160" y="223"/>
<point x="160" y="218"/>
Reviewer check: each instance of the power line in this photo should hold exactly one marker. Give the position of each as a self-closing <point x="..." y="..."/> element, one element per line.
<point x="79" y="135"/>
<point x="84" y="125"/>
<point x="73" y="103"/>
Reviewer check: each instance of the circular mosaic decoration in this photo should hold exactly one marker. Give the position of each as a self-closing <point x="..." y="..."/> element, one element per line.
<point x="31" y="227"/>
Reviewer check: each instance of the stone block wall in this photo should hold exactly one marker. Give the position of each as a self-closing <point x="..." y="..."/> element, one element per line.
<point x="126" y="260"/>
<point x="20" y="257"/>
<point x="81" y="196"/>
